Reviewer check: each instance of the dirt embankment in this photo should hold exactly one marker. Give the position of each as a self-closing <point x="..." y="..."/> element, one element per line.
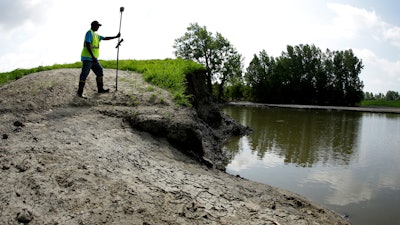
<point x="65" y="160"/>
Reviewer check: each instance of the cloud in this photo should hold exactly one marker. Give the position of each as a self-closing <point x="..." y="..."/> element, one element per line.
<point x="374" y="40"/>
<point x="349" y="21"/>
<point x="16" y="13"/>
<point x="382" y="75"/>
<point x="392" y="34"/>
<point x="344" y="188"/>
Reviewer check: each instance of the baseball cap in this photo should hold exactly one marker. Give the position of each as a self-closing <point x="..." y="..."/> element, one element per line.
<point x="95" y="23"/>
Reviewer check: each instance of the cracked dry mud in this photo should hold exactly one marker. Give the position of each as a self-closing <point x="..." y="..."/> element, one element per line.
<point x="65" y="160"/>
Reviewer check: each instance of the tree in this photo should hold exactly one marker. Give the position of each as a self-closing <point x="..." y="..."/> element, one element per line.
<point x="231" y="73"/>
<point x="369" y="96"/>
<point x="380" y="96"/>
<point x="305" y="75"/>
<point x="392" y="96"/>
<point x="216" y="53"/>
<point x="347" y="85"/>
<point x="259" y="76"/>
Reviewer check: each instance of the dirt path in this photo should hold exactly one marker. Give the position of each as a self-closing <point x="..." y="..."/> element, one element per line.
<point x="68" y="161"/>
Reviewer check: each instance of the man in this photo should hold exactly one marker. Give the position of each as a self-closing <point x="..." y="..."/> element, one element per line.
<point x="89" y="57"/>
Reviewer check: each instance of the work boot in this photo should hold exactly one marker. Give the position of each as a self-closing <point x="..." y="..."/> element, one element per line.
<point x="100" y="84"/>
<point x="80" y="89"/>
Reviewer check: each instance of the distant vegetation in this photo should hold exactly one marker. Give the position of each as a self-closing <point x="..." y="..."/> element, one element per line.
<point x="391" y="99"/>
<point x="390" y="96"/>
<point x="168" y="74"/>
<point x="381" y="103"/>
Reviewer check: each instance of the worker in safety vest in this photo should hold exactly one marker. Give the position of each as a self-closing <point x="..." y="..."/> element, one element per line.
<point x="89" y="57"/>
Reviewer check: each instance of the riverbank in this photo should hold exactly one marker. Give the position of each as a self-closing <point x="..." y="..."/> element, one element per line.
<point x="337" y="108"/>
<point x="66" y="160"/>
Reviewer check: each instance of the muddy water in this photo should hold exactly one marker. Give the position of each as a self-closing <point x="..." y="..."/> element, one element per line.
<point x="346" y="161"/>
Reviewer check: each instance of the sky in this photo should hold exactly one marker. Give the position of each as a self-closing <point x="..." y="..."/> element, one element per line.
<point x="46" y="32"/>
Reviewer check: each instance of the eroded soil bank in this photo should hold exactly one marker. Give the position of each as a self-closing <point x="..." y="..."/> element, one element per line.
<point x="64" y="160"/>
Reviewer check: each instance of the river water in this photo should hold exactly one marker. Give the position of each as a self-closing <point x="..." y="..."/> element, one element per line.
<point x="346" y="161"/>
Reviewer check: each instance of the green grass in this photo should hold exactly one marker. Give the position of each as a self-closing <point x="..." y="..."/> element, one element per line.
<point x="168" y="73"/>
<point x="381" y="103"/>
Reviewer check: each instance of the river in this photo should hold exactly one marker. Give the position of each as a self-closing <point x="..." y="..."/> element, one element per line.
<point x="346" y="161"/>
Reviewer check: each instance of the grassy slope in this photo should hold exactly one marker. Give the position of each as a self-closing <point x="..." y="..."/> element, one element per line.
<point x="168" y="74"/>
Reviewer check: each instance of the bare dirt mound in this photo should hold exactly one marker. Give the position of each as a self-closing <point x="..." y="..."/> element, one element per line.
<point x="64" y="160"/>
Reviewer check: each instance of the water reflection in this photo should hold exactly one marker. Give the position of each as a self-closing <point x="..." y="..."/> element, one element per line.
<point x="346" y="161"/>
<point x="301" y="137"/>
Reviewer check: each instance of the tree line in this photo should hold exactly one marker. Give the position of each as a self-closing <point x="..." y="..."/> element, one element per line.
<point x="302" y="74"/>
<point x="306" y="75"/>
<point x="390" y="96"/>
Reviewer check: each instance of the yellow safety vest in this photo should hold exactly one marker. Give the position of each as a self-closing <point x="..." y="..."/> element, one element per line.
<point x="95" y="46"/>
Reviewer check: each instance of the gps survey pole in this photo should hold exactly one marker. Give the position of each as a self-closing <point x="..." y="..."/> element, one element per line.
<point x="119" y="43"/>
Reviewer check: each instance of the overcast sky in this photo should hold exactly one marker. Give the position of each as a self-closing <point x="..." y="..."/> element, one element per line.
<point x="45" y="32"/>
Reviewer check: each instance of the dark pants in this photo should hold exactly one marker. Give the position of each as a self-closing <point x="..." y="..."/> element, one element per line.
<point x="89" y="65"/>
